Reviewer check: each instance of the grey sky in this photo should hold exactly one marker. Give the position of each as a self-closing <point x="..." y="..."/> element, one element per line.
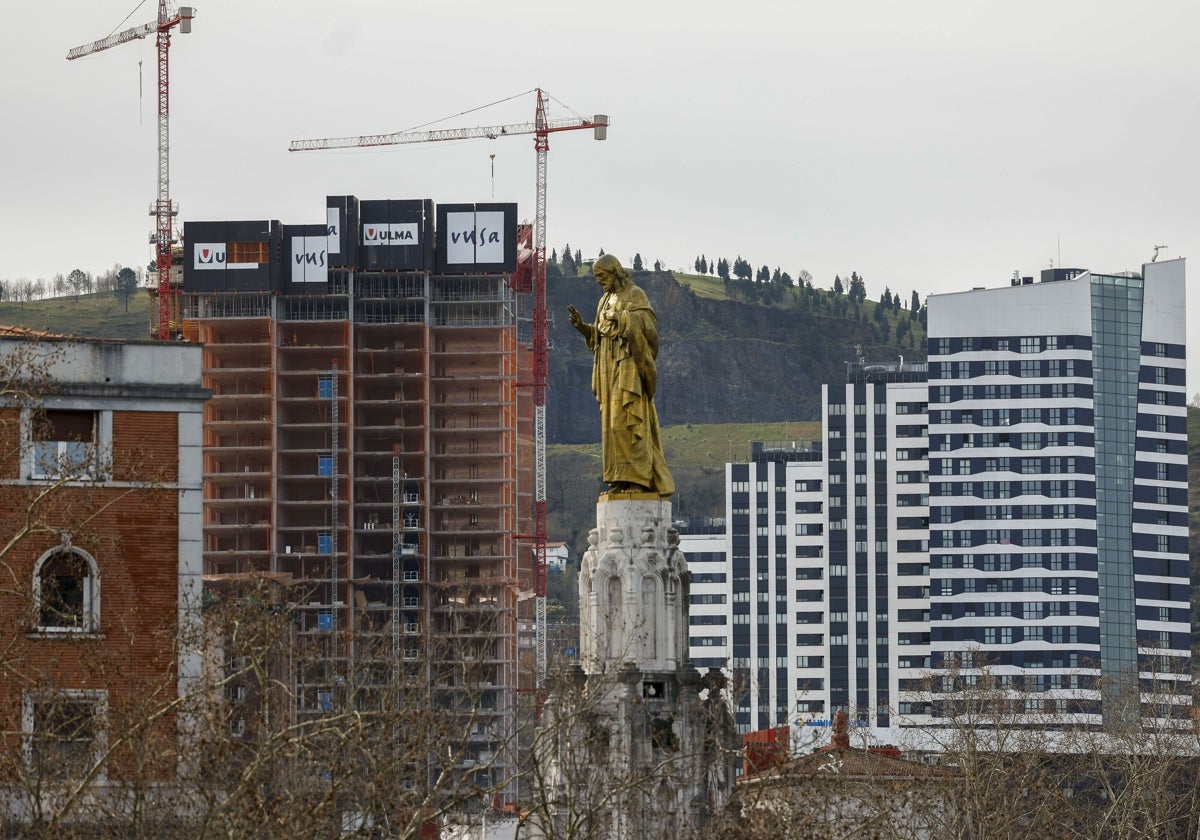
<point x="927" y="145"/>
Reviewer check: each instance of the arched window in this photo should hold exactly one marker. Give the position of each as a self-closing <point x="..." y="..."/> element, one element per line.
<point x="66" y="591"/>
<point x="650" y="613"/>
<point x="615" y="620"/>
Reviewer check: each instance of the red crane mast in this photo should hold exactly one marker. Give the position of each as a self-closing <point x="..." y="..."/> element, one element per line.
<point x="163" y="209"/>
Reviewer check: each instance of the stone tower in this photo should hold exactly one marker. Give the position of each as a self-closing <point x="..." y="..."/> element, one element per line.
<point x="636" y="741"/>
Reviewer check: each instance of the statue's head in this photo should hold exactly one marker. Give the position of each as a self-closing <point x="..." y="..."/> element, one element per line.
<point x="608" y="266"/>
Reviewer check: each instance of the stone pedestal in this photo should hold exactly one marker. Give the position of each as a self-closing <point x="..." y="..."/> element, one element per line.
<point x="633" y="742"/>
<point x="633" y="591"/>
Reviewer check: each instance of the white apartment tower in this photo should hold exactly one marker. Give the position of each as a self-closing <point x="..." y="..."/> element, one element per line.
<point x="1058" y="491"/>
<point x="709" y="619"/>
<point x="1016" y="506"/>
<point x="826" y="569"/>
<point x="876" y="545"/>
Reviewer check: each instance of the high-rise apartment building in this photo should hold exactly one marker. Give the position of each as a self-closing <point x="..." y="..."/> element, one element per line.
<point x="1018" y="507"/>
<point x="875" y="544"/>
<point x="762" y="568"/>
<point x="1058" y="489"/>
<point x="361" y="446"/>
<point x="821" y="598"/>
<point x="709" y="619"/>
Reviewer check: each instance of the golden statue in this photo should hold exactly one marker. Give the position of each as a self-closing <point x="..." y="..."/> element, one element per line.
<point x="624" y="341"/>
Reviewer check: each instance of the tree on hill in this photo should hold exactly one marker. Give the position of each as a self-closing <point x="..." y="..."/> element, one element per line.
<point x="79" y="282"/>
<point x="569" y="268"/>
<point x="657" y="265"/>
<point x="915" y="304"/>
<point x="723" y="268"/>
<point x="126" y="285"/>
<point x="837" y="285"/>
<point x="858" y="288"/>
<point x="637" y="262"/>
<point x="742" y="269"/>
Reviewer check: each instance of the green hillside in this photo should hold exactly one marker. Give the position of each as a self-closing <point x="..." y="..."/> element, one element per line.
<point x="696" y="453"/>
<point x="88" y="316"/>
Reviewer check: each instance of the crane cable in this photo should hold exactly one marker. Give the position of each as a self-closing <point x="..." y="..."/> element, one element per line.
<point x="127" y="17"/>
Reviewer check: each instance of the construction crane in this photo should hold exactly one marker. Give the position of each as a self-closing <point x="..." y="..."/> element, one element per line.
<point x="163" y="209"/>
<point x="541" y="128"/>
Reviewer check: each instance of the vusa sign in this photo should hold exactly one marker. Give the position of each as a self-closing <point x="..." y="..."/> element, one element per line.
<point x="406" y="233"/>
<point x="333" y="229"/>
<point x="474" y="237"/>
<point x="310" y="259"/>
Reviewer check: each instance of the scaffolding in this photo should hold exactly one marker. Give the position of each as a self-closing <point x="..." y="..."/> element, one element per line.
<point x="226" y="305"/>
<point x="362" y="445"/>
<point x="333" y="509"/>
<point x="396" y="568"/>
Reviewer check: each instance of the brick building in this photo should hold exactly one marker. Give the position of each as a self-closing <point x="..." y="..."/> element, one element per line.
<point x="100" y="506"/>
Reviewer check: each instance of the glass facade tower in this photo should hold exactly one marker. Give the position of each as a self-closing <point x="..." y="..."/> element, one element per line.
<point x="1058" y="533"/>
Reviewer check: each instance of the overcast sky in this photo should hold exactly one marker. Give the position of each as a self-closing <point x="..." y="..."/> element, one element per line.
<point x="928" y="145"/>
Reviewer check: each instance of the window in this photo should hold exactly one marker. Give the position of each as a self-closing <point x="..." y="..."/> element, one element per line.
<point x="63" y="444"/>
<point x="247" y="252"/>
<point x="63" y="732"/>
<point x="66" y="590"/>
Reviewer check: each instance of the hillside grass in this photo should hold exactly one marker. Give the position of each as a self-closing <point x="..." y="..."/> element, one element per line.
<point x="704" y="285"/>
<point x="709" y="446"/>
<point x="91" y="316"/>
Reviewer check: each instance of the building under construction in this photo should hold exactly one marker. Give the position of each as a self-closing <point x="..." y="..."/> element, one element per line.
<point x="367" y="444"/>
